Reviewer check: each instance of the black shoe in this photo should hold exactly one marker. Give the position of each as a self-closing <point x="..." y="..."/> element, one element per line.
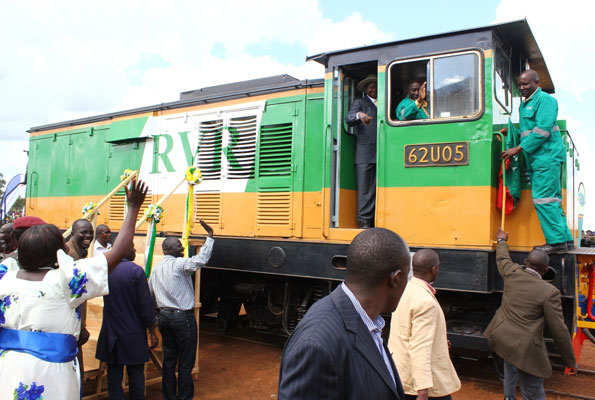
<point x="570" y="245"/>
<point x="365" y="223"/>
<point x="553" y="248"/>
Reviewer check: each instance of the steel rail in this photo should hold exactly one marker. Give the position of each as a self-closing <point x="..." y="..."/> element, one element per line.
<point x="549" y="391"/>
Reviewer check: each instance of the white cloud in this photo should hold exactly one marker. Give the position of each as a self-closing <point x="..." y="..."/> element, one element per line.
<point x="563" y="31"/>
<point x="69" y="59"/>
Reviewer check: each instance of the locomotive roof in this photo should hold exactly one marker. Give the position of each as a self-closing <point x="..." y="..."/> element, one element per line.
<point x="211" y="94"/>
<point x="516" y="33"/>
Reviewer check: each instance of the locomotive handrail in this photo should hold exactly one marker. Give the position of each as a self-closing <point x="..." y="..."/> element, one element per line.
<point x="92" y="212"/>
<point x="503" y="166"/>
<point x="590" y="293"/>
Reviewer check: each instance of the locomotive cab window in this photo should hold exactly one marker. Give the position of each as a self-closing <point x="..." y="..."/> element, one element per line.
<point x="435" y="88"/>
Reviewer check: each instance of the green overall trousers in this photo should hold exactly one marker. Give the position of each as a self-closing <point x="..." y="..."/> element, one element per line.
<point x="545" y="153"/>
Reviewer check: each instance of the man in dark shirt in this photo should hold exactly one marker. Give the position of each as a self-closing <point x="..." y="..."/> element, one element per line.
<point x="82" y="235"/>
<point x="127" y="314"/>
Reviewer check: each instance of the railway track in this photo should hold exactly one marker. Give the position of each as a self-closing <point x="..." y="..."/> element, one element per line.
<point x="470" y="370"/>
<point x="548" y="391"/>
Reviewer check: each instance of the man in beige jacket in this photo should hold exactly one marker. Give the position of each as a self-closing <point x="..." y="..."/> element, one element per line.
<point x="516" y="332"/>
<point x="418" y="339"/>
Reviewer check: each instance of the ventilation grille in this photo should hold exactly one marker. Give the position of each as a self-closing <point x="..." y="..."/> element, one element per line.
<point x="209" y="149"/>
<point x="207" y="206"/>
<point x="274" y="208"/>
<point x="117" y="206"/>
<point x="242" y="147"/>
<point x="275" y="150"/>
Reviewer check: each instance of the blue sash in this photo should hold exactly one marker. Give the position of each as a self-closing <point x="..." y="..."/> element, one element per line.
<point x="51" y="347"/>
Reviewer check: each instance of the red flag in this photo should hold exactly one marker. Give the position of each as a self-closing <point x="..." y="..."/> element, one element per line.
<point x="509" y="198"/>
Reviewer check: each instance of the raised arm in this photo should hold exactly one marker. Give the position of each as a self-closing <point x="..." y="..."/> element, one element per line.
<point x="505" y="264"/>
<point x="135" y="196"/>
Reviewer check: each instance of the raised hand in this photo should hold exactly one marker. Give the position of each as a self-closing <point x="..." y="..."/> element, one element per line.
<point x="136" y="194"/>
<point x="423" y="91"/>
<point x="207" y="228"/>
<point x="502" y="235"/>
<point x="365" y="118"/>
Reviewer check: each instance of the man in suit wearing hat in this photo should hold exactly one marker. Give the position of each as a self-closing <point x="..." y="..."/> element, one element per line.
<point x="516" y="332"/>
<point x="362" y="115"/>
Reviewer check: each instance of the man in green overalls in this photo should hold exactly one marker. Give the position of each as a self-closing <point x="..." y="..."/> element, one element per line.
<point x="545" y="154"/>
<point x="414" y="105"/>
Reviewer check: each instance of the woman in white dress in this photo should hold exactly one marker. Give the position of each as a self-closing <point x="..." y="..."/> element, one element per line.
<point x="39" y="309"/>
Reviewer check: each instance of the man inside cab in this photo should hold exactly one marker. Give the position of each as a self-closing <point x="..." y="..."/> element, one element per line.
<point x="414" y="105"/>
<point x="362" y="115"/>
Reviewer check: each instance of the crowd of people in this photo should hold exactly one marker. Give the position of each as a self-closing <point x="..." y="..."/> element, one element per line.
<point x="45" y="283"/>
<point x="337" y="350"/>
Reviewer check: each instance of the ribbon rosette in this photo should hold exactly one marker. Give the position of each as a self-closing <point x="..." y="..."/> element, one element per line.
<point x="193" y="176"/>
<point x="126" y="174"/>
<point x="87" y="208"/>
<point x="154" y="213"/>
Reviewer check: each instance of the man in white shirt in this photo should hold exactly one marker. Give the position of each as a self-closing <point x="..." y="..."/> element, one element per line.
<point x="171" y="288"/>
<point x="103" y="234"/>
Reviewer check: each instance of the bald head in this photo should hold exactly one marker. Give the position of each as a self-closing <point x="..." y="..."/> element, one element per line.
<point x="373" y="255"/>
<point x="101" y="229"/>
<point x="424" y="260"/>
<point x="6" y="228"/>
<point x="172" y="247"/>
<point x="530" y="74"/>
<point x="538" y="260"/>
<point x="82" y="233"/>
<point x="528" y="83"/>
<point x="8" y="241"/>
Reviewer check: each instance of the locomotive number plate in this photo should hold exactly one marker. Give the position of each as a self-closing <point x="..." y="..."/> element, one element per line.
<point x="437" y="154"/>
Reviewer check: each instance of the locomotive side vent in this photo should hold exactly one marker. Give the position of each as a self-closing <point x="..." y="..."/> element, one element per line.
<point x="117" y="205"/>
<point x="275" y="150"/>
<point x="274" y="208"/>
<point x="209" y="149"/>
<point x="242" y="147"/>
<point x="207" y="207"/>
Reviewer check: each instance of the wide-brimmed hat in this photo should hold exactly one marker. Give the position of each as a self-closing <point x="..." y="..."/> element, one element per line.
<point x="361" y="86"/>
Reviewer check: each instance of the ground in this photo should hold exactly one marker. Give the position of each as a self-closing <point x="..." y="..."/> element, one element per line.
<point x="242" y="365"/>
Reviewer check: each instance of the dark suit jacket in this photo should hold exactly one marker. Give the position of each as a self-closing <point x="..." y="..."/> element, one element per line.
<point x="331" y="355"/>
<point x="365" y="135"/>
<point x="127" y="313"/>
<point x="528" y="304"/>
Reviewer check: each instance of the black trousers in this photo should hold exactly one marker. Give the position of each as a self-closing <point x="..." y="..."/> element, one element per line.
<point x="365" y="175"/>
<point x="413" y="397"/>
<point x="136" y="381"/>
<point x="179" y="336"/>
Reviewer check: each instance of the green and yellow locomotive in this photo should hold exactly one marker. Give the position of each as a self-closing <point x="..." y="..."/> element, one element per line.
<point x="279" y="189"/>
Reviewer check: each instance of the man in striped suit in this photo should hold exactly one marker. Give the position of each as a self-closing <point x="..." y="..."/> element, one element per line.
<point x="336" y="351"/>
<point x="171" y="288"/>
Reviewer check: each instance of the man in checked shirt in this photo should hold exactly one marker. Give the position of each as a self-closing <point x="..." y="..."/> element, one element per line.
<point x="171" y="288"/>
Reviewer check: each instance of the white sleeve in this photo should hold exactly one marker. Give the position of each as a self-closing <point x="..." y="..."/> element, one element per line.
<point x="202" y="258"/>
<point x="82" y="279"/>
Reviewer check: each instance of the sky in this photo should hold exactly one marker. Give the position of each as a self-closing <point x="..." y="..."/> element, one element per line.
<point x="63" y="60"/>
